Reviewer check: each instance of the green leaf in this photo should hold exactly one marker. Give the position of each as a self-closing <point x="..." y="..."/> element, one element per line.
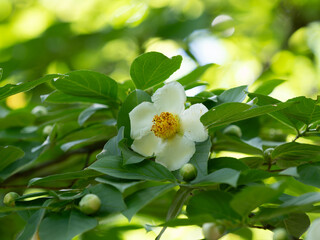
<point x="134" y="99"/>
<point x="309" y="174"/>
<point x="141" y="198"/>
<point x="226" y="162"/>
<point x="305" y="199"/>
<point x="237" y="94"/>
<point x="87" y="173"/>
<point x="11" y="89"/>
<point x="9" y="154"/>
<point x="194" y="75"/>
<point x="266" y="87"/>
<point x="152" y="68"/>
<point x="146" y="170"/>
<point x="88" y="112"/>
<point x="120" y="184"/>
<point x="224" y="175"/>
<point x="253" y="175"/>
<point x="296" y="224"/>
<point x="200" y="158"/>
<point x="129" y="156"/>
<point x="111" y="198"/>
<point x="252" y="197"/>
<point x="227" y="113"/>
<point x="65" y="225"/>
<point x="60" y="97"/>
<point x="84" y="83"/>
<point x="33" y="223"/>
<point x="17" y="119"/>
<point x="112" y="146"/>
<point x="229" y="143"/>
<point x="1" y="72"/>
<point x="215" y="203"/>
<point x="294" y="151"/>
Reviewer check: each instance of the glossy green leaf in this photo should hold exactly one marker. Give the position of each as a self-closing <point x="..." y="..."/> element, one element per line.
<point x="294" y="151"/>
<point x="129" y="156"/>
<point x="224" y="175"/>
<point x="152" y="68"/>
<point x="87" y="173"/>
<point x="65" y="225"/>
<point x="229" y="143"/>
<point x="237" y="94"/>
<point x="11" y="89"/>
<point x="84" y="83"/>
<point x="215" y="203"/>
<point x="227" y="113"/>
<point x="9" y="154"/>
<point x="146" y="170"/>
<point x="141" y="198"/>
<point x="305" y="199"/>
<point x="112" y="146"/>
<point x="266" y="87"/>
<point x="111" y="198"/>
<point x="134" y="99"/>
<point x="120" y="184"/>
<point x="200" y="158"/>
<point x="252" y="197"/>
<point x="88" y="112"/>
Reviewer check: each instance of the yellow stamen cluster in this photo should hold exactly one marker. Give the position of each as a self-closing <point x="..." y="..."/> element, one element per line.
<point x="165" y="125"/>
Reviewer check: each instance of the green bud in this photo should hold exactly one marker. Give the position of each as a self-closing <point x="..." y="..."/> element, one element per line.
<point x="90" y="204"/>
<point x="39" y="111"/>
<point x="233" y="130"/>
<point x="10" y="199"/>
<point x="188" y="172"/>
<point x="267" y="154"/>
<point x="211" y="231"/>
<point x="280" y="234"/>
<point x="47" y="130"/>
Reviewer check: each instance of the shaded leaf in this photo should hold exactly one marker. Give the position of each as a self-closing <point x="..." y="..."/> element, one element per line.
<point x="9" y="154"/>
<point x="224" y="175"/>
<point x="88" y="112"/>
<point x="65" y="225"/>
<point x="141" y="198"/>
<point x="215" y="203"/>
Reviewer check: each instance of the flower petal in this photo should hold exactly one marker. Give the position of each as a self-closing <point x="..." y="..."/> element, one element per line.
<point x="191" y="124"/>
<point x="147" y="145"/>
<point x="141" y="119"/>
<point x="170" y="98"/>
<point x="175" y="152"/>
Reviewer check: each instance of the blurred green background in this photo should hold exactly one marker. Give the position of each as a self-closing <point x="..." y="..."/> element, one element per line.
<point x="250" y="41"/>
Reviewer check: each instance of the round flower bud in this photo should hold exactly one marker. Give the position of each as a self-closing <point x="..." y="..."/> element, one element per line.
<point x="39" y="111"/>
<point x="211" y="231"/>
<point x="47" y="130"/>
<point x="233" y="130"/>
<point x="267" y="154"/>
<point x="89" y="204"/>
<point x="188" y="172"/>
<point x="280" y="234"/>
<point x="10" y="199"/>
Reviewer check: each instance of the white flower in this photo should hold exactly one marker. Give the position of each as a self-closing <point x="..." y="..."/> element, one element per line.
<point x="166" y="130"/>
<point x="314" y="230"/>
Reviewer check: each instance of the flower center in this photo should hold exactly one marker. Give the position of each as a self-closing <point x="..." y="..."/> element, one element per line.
<point x="165" y="125"/>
